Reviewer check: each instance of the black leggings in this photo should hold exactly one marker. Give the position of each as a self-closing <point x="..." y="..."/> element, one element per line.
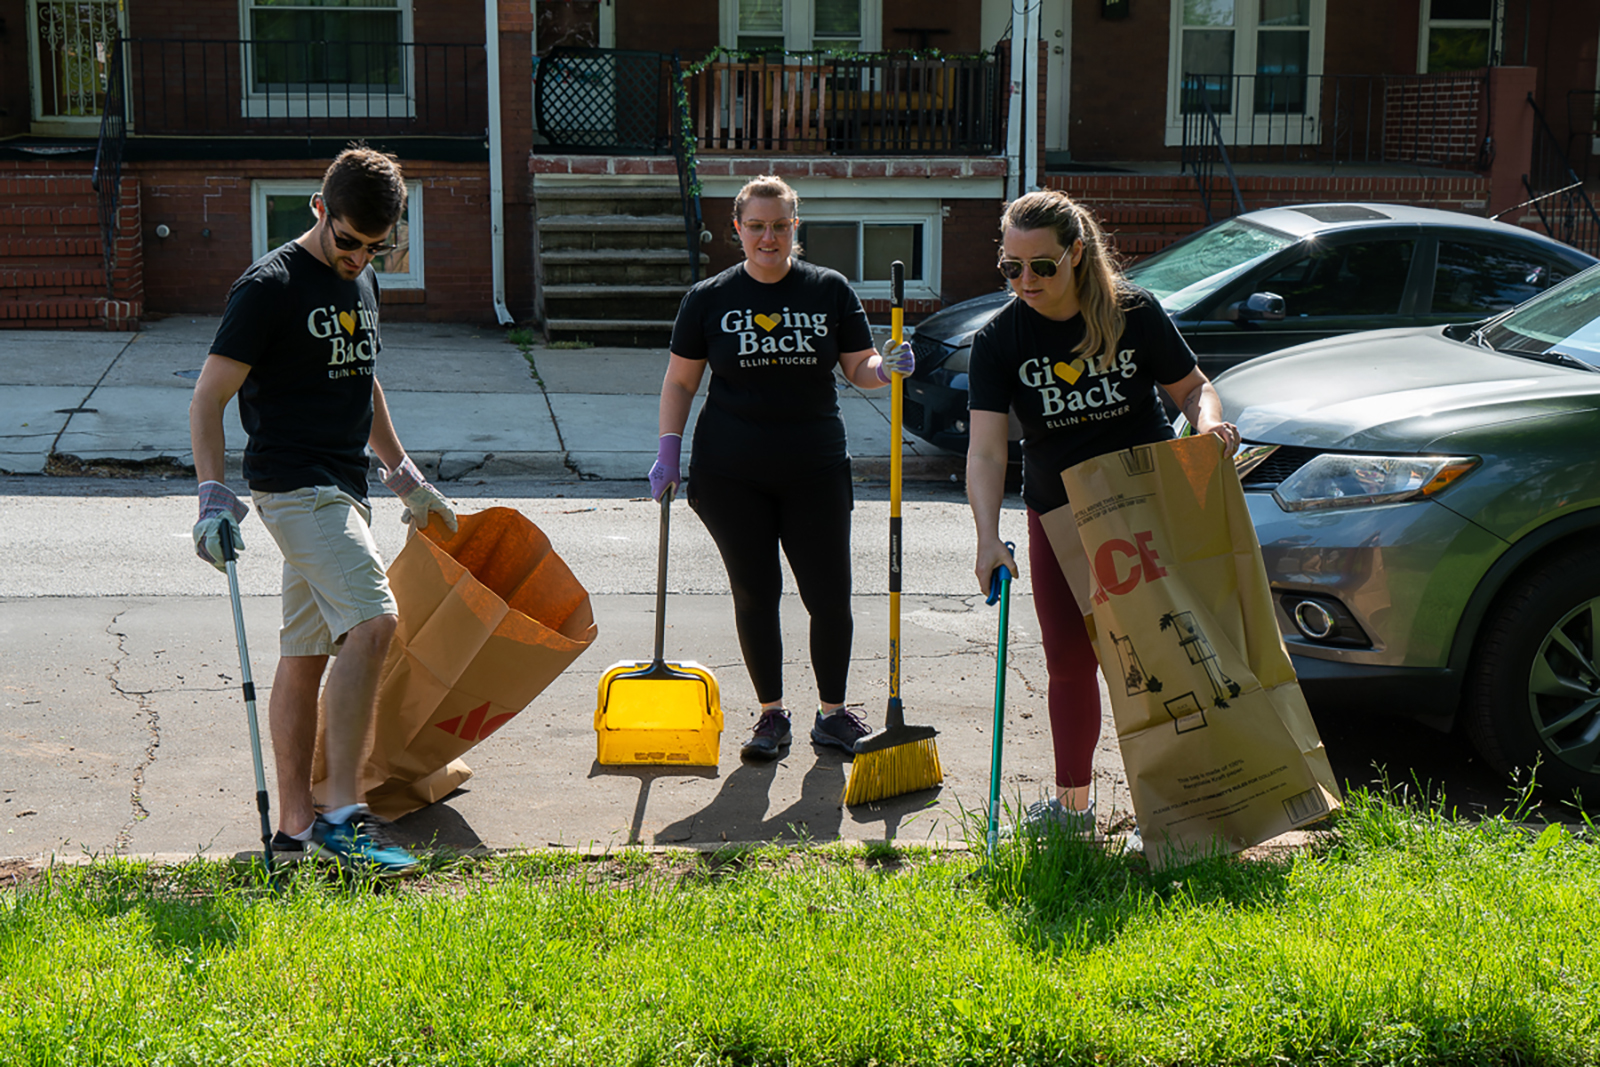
<point x="810" y="518"/>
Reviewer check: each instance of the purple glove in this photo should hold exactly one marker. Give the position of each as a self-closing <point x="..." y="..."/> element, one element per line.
<point x="218" y="506"/>
<point x="666" y="470"/>
<point x="898" y="360"/>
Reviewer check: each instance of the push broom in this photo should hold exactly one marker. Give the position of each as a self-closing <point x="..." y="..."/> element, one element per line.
<point x="898" y="758"/>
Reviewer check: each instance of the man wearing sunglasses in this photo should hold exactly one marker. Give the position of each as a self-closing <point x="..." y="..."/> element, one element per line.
<point x="298" y="345"/>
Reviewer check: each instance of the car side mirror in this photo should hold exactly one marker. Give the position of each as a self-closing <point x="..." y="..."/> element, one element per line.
<point x="1260" y="307"/>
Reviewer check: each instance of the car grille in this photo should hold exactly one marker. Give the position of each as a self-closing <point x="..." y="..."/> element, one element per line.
<point x="1278" y="466"/>
<point x="930" y="352"/>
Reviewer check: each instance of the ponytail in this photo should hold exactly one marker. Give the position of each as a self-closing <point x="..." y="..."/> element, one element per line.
<point x="1102" y="289"/>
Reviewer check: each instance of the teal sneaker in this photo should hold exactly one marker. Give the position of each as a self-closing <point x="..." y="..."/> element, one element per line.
<point x="363" y="842"/>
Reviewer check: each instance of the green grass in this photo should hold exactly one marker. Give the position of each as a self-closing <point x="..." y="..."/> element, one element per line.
<point x="524" y="338"/>
<point x="1406" y="938"/>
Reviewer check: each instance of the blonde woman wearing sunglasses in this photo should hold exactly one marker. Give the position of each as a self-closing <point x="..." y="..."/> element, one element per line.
<point x="770" y="469"/>
<point x="1079" y="354"/>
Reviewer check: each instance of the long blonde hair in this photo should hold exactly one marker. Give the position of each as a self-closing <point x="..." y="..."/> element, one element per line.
<point x="1102" y="289"/>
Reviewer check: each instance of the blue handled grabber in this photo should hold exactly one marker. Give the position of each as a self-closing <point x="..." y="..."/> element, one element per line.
<point x="999" y="589"/>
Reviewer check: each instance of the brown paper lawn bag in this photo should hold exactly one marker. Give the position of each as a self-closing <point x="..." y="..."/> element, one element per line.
<point x="489" y="616"/>
<point x="1217" y="742"/>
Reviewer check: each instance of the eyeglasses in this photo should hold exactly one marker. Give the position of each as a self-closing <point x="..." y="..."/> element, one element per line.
<point x="777" y="227"/>
<point x="350" y="244"/>
<point x="1042" y="268"/>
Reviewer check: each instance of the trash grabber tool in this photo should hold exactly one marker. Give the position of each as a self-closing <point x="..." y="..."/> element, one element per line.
<point x="999" y="589"/>
<point x="249" y="687"/>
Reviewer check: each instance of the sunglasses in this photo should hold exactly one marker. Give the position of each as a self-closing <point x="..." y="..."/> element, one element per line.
<point x="1042" y="268"/>
<point x="779" y="227"/>
<point x="350" y="244"/>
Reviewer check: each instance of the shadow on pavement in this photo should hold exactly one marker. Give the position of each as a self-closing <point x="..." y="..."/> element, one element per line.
<point x="738" y="812"/>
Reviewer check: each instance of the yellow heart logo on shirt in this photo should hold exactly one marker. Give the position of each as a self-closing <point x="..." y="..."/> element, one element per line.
<point x="767" y="322"/>
<point x="1070" y="372"/>
<point x="347" y="319"/>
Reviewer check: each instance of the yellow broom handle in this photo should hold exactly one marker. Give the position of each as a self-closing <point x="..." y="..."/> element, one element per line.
<point x="897" y="293"/>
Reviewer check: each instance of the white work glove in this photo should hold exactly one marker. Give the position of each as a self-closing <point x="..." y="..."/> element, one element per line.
<point x="218" y="507"/>
<point x="899" y="359"/>
<point x="422" y="500"/>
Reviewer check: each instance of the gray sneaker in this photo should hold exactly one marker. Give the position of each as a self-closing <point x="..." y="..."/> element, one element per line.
<point x="842" y="729"/>
<point x="1049" y="816"/>
<point x="770" y="737"/>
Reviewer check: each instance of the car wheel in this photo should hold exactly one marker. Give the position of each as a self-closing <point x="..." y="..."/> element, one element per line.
<point x="1533" y="695"/>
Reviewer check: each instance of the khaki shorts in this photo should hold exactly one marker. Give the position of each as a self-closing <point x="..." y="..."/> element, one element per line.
<point x="333" y="580"/>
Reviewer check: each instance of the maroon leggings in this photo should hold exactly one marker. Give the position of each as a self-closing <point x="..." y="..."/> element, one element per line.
<point x="1074" y="692"/>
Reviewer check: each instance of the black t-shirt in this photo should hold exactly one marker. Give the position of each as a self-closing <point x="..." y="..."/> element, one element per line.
<point x="1069" y="411"/>
<point x="311" y="340"/>
<point x="771" y="349"/>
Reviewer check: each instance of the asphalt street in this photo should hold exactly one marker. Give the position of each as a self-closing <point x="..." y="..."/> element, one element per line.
<point x="122" y="729"/>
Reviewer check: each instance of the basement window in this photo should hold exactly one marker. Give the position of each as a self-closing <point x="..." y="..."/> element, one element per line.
<point x="280" y="211"/>
<point x="861" y="238"/>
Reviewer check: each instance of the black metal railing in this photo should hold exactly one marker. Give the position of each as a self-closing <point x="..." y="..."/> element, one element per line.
<point x="1426" y="119"/>
<point x="1201" y="157"/>
<point x="106" y="179"/>
<point x="604" y="100"/>
<point x="688" y="181"/>
<point x="1583" y="128"/>
<point x="240" y="88"/>
<point x="1555" y="190"/>
<point x="878" y="104"/>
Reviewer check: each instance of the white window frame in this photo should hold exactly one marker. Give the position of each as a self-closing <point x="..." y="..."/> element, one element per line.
<point x="799" y="22"/>
<point x="1246" y="126"/>
<point x="1495" y="24"/>
<point x="917" y="212"/>
<point x="395" y="104"/>
<point x="263" y="188"/>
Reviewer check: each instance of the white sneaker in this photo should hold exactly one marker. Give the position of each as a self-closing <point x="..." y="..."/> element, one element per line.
<point x="1049" y="815"/>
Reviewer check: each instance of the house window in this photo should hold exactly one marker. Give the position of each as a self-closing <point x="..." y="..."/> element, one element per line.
<point x="802" y="25"/>
<point x="281" y="211"/>
<point x="328" y="57"/>
<point x="1459" y="34"/>
<point x="1255" y="62"/>
<point x="861" y="239"/>
<point x="70" y="54"/>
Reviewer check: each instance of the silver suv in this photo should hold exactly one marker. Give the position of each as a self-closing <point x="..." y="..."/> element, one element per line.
<point x="1428" y="505"/>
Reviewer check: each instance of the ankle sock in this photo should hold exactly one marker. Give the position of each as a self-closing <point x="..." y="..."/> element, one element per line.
<point x="339" y="816"/>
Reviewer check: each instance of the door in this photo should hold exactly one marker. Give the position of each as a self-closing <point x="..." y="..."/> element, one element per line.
<point x="69" y="58"/>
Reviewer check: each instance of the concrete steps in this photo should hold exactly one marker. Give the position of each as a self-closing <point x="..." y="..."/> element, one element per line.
<point x="613" y="264"/>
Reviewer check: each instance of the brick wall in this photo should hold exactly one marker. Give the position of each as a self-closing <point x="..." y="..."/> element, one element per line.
<point x="689" y="26"/>
<point x="1437" y="121"/>
<point x="15" y="105"/>
<point x="190" y="272"/>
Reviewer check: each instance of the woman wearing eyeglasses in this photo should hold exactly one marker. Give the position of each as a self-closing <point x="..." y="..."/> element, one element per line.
<point x="1081" y="355"/>
<point x="770" y="468"/>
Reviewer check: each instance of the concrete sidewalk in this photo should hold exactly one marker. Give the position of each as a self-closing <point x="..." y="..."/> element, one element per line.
<point x="465" y="401"/>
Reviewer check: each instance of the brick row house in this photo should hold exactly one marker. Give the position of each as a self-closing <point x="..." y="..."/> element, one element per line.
<point x="149" y="149"/>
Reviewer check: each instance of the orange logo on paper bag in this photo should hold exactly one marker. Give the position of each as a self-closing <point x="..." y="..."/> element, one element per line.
<point x="473" y="726"/>
<point x="1109" y="580"/>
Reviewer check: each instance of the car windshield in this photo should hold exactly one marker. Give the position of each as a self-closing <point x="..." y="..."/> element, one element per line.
<point x="1186" y="273"/>
<point x="1564" y="321"/>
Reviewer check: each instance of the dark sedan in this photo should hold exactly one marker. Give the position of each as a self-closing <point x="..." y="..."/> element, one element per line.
<point x="1282" y="276"/>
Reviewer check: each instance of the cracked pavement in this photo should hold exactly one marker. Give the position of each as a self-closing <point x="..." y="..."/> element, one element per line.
<point x="122" y="728"/>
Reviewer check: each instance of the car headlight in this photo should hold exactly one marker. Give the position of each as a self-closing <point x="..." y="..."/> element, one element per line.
<point x="1335" y="481"/>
